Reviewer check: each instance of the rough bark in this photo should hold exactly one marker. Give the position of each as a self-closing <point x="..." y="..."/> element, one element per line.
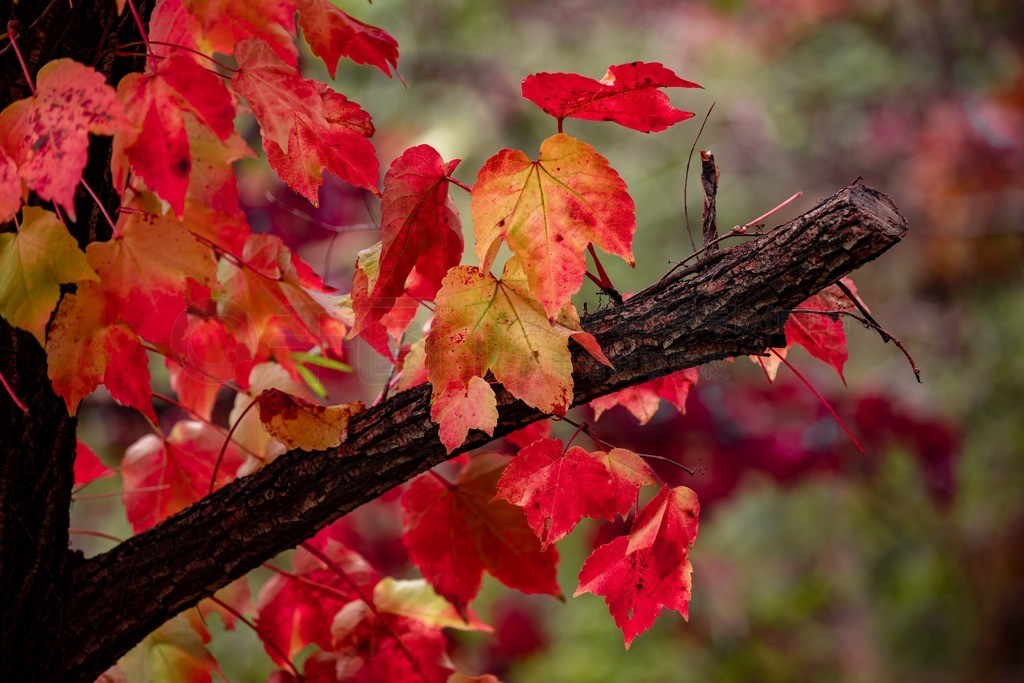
<point x="37" y="448"/>
<point x="731" y="304"/>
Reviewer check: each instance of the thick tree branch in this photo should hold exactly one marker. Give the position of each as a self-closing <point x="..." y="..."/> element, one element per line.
<point x="733" y="303"/>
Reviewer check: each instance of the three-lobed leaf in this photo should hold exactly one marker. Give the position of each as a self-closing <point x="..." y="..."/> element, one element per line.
<point x="549" y="211"/>
<point x="649" y="569"/>
<point x="484" y="324"/>
<point x="456" y="531"/>
<point x="306" y="126"/>
<point x="333" y="34"/>
<point x="557" y="489"/>
<point x="47" y="135"/>
<point x="629" y="94"/>
<point x="34" y="262"/>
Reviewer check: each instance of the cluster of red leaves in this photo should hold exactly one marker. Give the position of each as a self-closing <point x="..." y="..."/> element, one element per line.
<point x="185" y="277"/>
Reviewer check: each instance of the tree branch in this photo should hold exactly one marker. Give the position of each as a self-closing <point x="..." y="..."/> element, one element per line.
<point x="733" y="303"/>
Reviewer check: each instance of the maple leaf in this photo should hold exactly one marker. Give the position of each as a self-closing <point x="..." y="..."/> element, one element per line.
<point x="174" y="653"/>
<point x="270" y="301"/>
<point x="47" y="135"/>
<point x="163" y="476"/>
<point x="87" y="345"/>
<point x="203" y="356"/>
<point x="305" y="125"/>
<point x="822" y="335"/>
<point x="463" y="406"/>
<point x="34" y="262"/>
<point x="374" y="320"/>
<point x="146" y="268"/>
<point x="250" y="432"/>
<point x="556" y="490"/>
<point x="157" y="144"/>
<point x="295" y="609"/>
<point x="643" y="399"/>
<point x="303" y="425"/>
<point x="376" y="647"/>
<point x="420" y="229"/>
<point x="87" y="466"/>
<point x="628" y="95"/>
<point x="482" y="324"/>
<point x="223" y="24"/>
<point x="549" y="211"/>
<point x="649" y="569"/>
<point x="333" y="34"/>
<point x="454" y="532"/>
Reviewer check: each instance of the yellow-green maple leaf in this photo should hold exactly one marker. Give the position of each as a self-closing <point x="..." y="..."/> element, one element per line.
<point x="549" y="211"/>
<point x="34" y="261"/>
<point x="483" y="324"/>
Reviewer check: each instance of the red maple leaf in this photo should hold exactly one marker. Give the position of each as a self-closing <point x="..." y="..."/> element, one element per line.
<point x="822" y="335"/>
<point x="556" y="490"/>
<point x="456" y="531"/>
<point x="420" y="229"/>
<point x="649" y="569"/>
<point x="628" y="95"/>
<point x="163" y="476"/>
<point x="157" y="144"/>
<point x="47" y="135"/>
<point x="306" y="126"/>
<point x="295" y="609"/>
<point x="333" y="34"/>
<point x="643" y="399"/>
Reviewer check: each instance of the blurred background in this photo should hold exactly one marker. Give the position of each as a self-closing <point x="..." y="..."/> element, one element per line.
<point x="814" y="562"/>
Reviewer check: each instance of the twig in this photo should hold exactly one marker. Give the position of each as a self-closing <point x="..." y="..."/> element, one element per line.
<point x="14" y="397"/>
<point x="882" y="332"/>
<point x="686" y="177"/>
<point x="824" y="402"/>
<point x="709" y="184"/>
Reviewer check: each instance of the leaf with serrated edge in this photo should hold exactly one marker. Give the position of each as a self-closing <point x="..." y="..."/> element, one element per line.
<point x="556" y="490"/>
<point x="629" y="95"/>
<point x="549" y="211"/>
<point x="34" y="262"/>
<point x="649" y="569"/>
<point x="482" y="324"/>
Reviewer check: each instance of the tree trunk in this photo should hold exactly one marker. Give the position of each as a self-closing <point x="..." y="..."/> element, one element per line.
<point x="37" y="448"/>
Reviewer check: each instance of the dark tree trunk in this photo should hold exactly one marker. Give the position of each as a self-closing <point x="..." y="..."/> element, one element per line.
<point x="37" y="448"/>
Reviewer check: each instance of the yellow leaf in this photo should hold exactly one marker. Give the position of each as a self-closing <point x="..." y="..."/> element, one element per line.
<point x="297" y="423"/>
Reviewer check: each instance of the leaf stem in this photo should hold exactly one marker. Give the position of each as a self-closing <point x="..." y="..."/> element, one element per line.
<point x="139" y="24"/>
<point x="828" y="406"/>
<point x="263" y="636"/>
<point x="99" y="205"/>
<point x="458" y="183"/>
<point x="14" y="397"/>
<point x="12" y="34"/>
<point x="224" y="447"/>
